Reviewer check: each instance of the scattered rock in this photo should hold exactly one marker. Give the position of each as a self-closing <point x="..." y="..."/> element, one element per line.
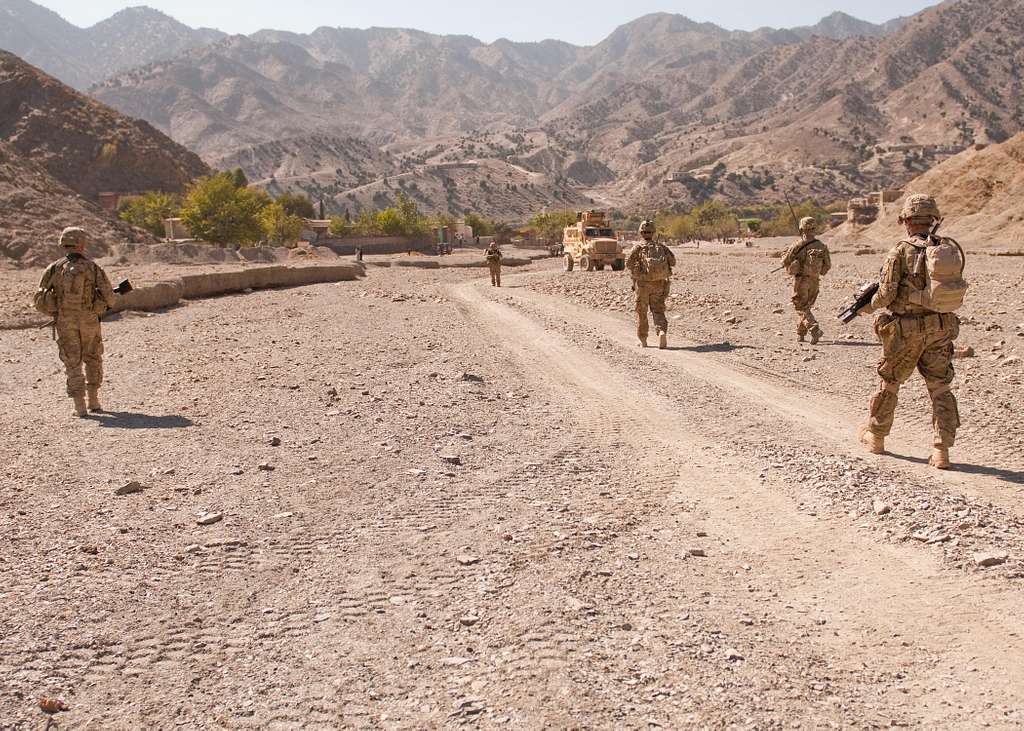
<point x="470" y="378"/>
<point x="275" y="441"/>
<point x="988" y="560"/>
<point x="469" y="620"/>
<point x="467" y="560"/>
<point x="451" y="459"/>
<point x="1013" y="360"/>
<point x="265" y="467"/>
<point x="963" y="352"/>
<point x="129" y="489"/>
<point x="91" y="550"/>
<point x="880" y="507"/>
<point x="418" y="472"/>
<point x="697" y="552"/>
<point x="193" y="548"/>
<point x="210" y="518"/>
<point x="280" y="516"/>
<point x="52" y="705"/>
<point x="733" y="655"/>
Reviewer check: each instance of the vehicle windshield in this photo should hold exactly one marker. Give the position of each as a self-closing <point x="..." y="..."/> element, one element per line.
<point x="605" y="233"/>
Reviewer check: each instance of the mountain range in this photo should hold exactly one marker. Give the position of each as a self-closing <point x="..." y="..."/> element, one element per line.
<point x="662" y="113"/>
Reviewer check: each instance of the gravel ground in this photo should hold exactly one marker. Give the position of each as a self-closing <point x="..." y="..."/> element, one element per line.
<point x="417" y="501"/>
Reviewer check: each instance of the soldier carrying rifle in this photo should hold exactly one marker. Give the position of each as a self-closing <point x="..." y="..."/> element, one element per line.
<point x="922" y="286"/>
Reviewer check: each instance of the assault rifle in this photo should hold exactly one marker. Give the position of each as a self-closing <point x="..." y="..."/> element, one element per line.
<point x="866" y="293"/>
<point x="864" y="296"/>
<point x="124" y="287"/>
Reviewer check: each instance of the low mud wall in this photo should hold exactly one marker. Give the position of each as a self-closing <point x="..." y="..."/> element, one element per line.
<point x="199" y="286"/>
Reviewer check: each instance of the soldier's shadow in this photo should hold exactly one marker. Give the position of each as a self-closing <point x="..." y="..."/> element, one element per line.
<point x="1012" y="476"/>
<point x="129" y="420"/>
<point x="712" y="348"/>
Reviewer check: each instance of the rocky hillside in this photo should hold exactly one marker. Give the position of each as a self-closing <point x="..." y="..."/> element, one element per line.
<point x="663" y="113"/>
<point x="82" y="56"/>
<point x="87" y="146"/>
<point x="35" y="207"/>
<point x="979" y="192"/>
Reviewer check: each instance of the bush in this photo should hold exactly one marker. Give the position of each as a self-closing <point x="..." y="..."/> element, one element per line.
<point x="297" y="204"/>
<point x="549" y="226"/>
<point x="150" y="210"/>
<point x="279" y="226"/>
<point x="217" y="211"/>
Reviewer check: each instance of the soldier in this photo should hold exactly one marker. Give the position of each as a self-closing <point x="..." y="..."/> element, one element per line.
<point x="493" y="255"/>
<point x="650" y="264"/>
<point x="76" y="291"/>
<point x="807" y="261"/>
<point x="921" y="285"/>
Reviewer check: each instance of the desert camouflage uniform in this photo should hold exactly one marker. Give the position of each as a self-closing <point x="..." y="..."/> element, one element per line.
<point x="649" y="295"/>
<point x="913" y="337"/>
<point x="493" y="255"/>
<point x="83" y="293"/>
<point x="807" y="262"/>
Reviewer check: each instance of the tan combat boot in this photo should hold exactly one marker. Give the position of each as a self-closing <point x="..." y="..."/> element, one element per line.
<point x="940" y="458"/>
<point x="816" y="335"/>
<point x="80" y="410"/>
<point x="643" y="342"/>
<point x="874" y="443"/>
<point x="662" y="339"/>
<point x="800" y="337"/>
<point x="94" y="399"/>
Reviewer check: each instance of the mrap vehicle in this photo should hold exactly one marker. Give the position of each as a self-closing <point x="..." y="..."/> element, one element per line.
<point x="591" y="244"/>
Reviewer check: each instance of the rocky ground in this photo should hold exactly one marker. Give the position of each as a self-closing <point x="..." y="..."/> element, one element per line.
<point x="417" y="501"/>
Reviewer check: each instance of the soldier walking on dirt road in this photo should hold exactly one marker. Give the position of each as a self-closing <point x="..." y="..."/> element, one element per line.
<point x="807" y="261"/>
<point x="922" y="286"/>
<point x="76" y="291"/>
<point x="650" y="264"/>
<point x="493" y="255"/>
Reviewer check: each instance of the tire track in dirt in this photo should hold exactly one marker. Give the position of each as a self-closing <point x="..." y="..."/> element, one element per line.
<point x="961" y="619"/>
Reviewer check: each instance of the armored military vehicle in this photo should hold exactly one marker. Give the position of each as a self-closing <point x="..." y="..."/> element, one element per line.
<point x="591" y="244"/>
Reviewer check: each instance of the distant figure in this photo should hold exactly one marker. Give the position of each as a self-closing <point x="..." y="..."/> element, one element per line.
<point x="807" y="261"/>
<point x="75" y="291"/>
<point x="359" y="253"/>
<point x="493" y="255"/>
<point x="650" y="264"/>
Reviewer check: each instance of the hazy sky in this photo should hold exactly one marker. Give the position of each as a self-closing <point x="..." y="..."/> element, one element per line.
<point x="577" y="21"/>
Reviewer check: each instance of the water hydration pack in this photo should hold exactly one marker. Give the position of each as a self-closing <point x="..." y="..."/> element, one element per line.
<point x="654" y="264"/>
<point x="943" y="261"/>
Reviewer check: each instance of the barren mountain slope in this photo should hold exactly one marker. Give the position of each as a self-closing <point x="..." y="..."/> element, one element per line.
<point x="86" y="145"/>
<point x="833" y="105"/>
<point x="82" y="56"/>
<point x="979" y="193"/>
<point x="34" y="207"/>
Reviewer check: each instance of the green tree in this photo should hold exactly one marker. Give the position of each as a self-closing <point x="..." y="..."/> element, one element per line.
<point x="340" y="226"/>
<point x="480" y="225"/>
<point x="411" y="222"/>
<point x="389" y="222"/>
<point x="785" y="222"/>
<point x="550" y="225"/>
<point x="217" y="211"/>
<point x="238" y="178"/>
<point x="150" y="210"/>
<point x="297" y="204"/>
<point x="279" y="226"/>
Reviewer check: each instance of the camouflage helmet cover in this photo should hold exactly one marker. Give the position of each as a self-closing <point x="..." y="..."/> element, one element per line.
<point x="808" y="224"/>
<point x="920" y="205"/>
<point x="73" y="236"/>
<point x="646" y="227"/>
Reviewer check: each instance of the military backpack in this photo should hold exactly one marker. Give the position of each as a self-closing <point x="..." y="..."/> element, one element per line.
<point x="654" y="263"/>
<point x="943" y="262"/>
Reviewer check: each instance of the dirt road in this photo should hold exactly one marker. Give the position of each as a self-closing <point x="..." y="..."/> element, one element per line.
<point x="445" y="504"/>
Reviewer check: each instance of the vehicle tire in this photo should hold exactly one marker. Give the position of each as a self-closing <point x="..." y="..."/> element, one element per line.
<point x="568" y="262"/>
<point x="585" y="263"/>
<point x="618" y="265"/>
<point x="599" y="266"/>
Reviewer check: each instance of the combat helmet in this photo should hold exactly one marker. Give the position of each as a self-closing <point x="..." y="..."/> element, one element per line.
<point x="920" y="206"/>
<point x="72" y="236"/>
<point x="808" y="224"/>
<point x="646" y="229"/>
